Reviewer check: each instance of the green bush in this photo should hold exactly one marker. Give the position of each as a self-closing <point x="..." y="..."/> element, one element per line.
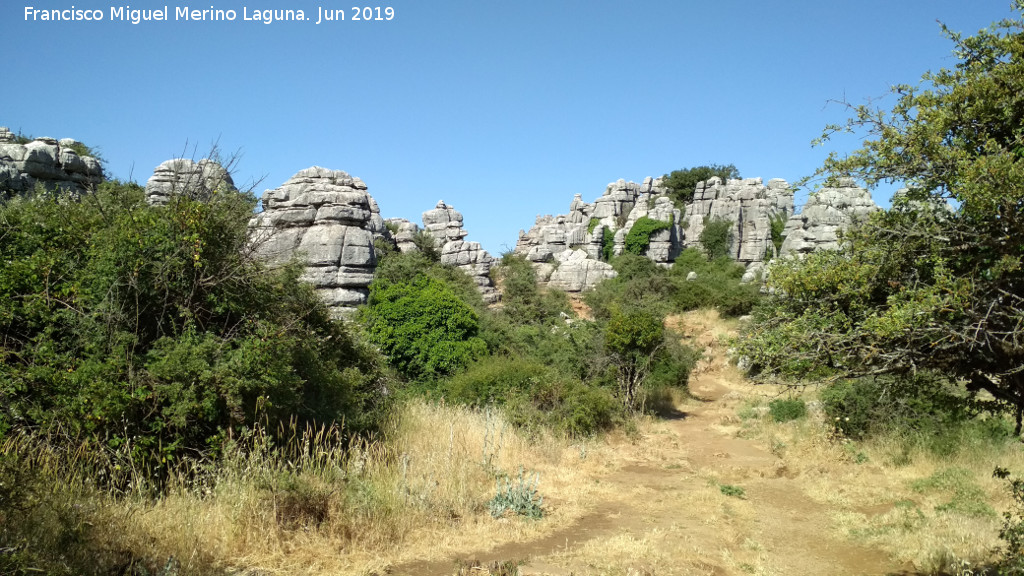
<point x="639" y="236"/>
<point x="422" y="326"/>
<point x="784" y="410"/>
<point x="523" y="301"/>
<point x="717" y="285"/>
<point x="682" y="183"/>
<point x="923" y="410"/>
<point x="156" y="326"/>
<point x="716" y="238"/>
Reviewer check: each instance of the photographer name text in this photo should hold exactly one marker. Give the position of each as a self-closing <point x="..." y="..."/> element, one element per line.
<point x="188" y="14"/>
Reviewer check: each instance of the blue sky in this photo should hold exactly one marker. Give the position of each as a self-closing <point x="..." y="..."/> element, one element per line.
<point x="504" y="109"/>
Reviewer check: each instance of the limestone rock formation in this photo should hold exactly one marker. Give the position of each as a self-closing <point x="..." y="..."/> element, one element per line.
<point x="183" y="176"/>
<point x="749" y="206"/>
<point x="575" y="271"/>
<point x="444" y="223"/>
<point x="584" y="229"/>
<point x="402" y="232"/>
<point x="46" y="161"/>
<point x="827" y="211"/>
<point x="327" y="219"/>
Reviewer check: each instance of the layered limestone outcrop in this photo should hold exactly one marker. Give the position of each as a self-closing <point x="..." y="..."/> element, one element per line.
<point x="54" y="164"/>
<point x="749" y="206"/>
<point x="444" y="223"/>
<point x="826" y="213"/>
<point x="327" y="219"/>
<point x="197" y="180"/>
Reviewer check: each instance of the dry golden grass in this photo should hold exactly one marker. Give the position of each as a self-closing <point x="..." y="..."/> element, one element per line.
<point x="417" y="495"/>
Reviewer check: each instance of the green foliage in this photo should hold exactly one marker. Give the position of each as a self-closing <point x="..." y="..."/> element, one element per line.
<point x="123" y="322"/>
<point x="935" y="282"/>
<point x="517" y="497"/>
<point x="607" y="244"/>
<point x="733" y="491"/>
<point x="682" y="183"/>
<point x="592" y="225"/>
<point x="786" y="409"/>
<point x="422" y="326"/>
<point x="427" y="245"/>
<point x="778" y="224"/>
<point x="632" y="339"/>
<point x="716" y="238"/>
<point x="639" y="236"/>
<point x="1011" y="561"/>
<point x="717" y="285"/>
<point x="524" y="302"/>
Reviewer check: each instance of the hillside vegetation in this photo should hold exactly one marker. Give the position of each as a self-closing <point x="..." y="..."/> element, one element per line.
<point x="171" y="404"/>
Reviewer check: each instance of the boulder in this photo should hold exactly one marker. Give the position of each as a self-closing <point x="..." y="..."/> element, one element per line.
<point x="826" y="213"/>
<point x="197" y="180"/>
<point x="327" y="219"/>
<point x="45" y="161"/>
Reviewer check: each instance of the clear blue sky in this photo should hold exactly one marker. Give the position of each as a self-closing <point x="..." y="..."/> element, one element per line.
<point x="504" y="109"/>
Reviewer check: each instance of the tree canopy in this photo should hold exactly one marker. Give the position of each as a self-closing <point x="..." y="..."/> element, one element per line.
<point x="681" y="183"/>
<point x="935" y="283"/>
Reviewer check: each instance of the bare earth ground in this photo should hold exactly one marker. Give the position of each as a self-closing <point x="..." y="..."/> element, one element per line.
<point x="691" y="496"/>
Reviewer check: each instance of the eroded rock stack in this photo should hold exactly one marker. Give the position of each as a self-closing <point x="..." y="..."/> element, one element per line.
<point x="555" y="243"/>
<point x="749" y="206"/>
<point x="197" y="180"/>
<point x="444" y="223"/>
<point x="327" y="219"/>
<point x="827" y="212"/>
<point x="52" y="163"/>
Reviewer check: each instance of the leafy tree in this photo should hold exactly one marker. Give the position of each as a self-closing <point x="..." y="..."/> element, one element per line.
<point x="716" y="238"/>
<point x="124" y="322"/>
<point x="682" y="183"/>
<point x="422" y="326"/>
<point x="639" y="237"/>
<point x="633" y="338"/>
<point x="937" y="282"/>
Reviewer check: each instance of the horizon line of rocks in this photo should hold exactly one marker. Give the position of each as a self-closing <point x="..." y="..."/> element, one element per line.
<point x="330" y="218"/>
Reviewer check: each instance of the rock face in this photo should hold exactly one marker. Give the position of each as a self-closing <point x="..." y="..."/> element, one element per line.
<point x="749" y="206"/>
<point x="827" y="211"/>
<point x="199" y="180"/>
<point x="614" y="213"/>
<point x="46" y="161"/>
<point x="444" y="223"/>
<point x="327" y="219"/>
<point x="574" y="271"/>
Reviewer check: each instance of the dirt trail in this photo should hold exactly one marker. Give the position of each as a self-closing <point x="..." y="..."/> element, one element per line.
<point x="679" y="509"/>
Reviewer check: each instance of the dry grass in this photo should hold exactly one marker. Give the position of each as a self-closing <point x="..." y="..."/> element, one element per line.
<point x="929" y="510"/>
<point x="307" y="507"/>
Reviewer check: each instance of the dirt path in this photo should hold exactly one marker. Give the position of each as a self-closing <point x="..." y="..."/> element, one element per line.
<point x="692" y="498"/>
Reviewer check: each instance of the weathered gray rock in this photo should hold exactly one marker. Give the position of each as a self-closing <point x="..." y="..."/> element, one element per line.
<point x="827" y="212"/>
<point x="327" y="219"/>
<point x="574" y="271"/>
<point x="444" y="223"/>
<point x="45" y="161"/>
<point x="749" y="206"/>
<point x="197" y="180"/>
<point x="402" y="232"/>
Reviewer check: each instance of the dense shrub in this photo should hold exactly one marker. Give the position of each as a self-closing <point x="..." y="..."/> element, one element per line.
<point x="717" y="284"/>
<point x="786" y="409"/>
<point x="639" y="236"/>
<point x="523" y="301"/>
<point x="422" y="326"/>
<point x="716" y="238"/>
<point x="682" y="183"/>
<point x="125" y="322"/>
<point x="909" y="404"/>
